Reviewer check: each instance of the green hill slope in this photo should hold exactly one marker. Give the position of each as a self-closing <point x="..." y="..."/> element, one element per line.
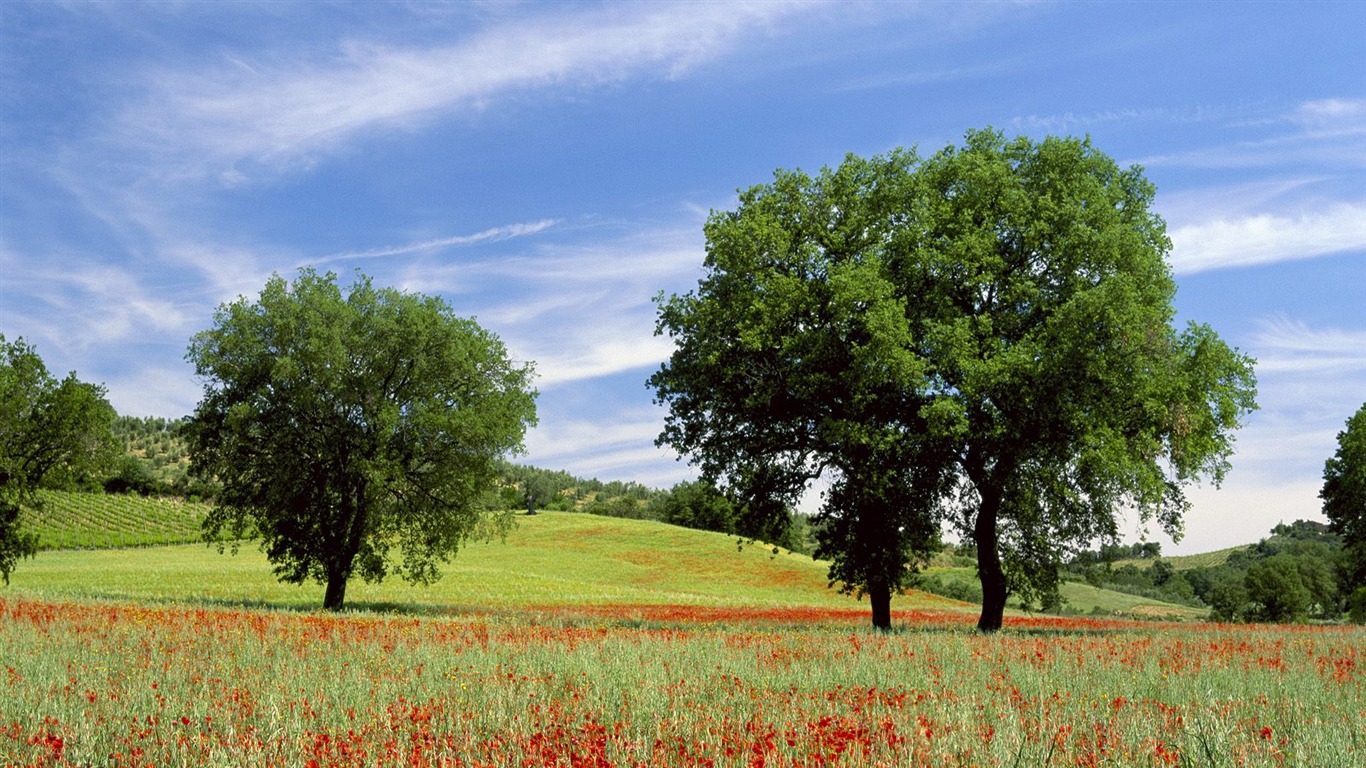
<point x="1187" y="562"/>
<point x="97" y="520"/>
<point x="551" y="559"/>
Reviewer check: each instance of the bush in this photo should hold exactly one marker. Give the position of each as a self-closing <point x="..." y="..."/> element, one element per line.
<point x="1276" y="591"/>
<point x="966" y="591"/>
<point x="699" y="505"/>
<point x="1356" y="605"/>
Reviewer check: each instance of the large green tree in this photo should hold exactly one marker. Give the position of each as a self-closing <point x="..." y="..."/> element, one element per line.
<point x="795" y="360"/>
<point x="50" y="431"/>
<point x="343" y="425"/>
<point x="1344" y="504"/>
<point x="984" y="337"/>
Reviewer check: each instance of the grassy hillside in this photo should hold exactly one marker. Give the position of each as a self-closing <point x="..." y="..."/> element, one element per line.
<point x="98" y="521"/>
<point x="552" y="559"/>
<point x="1187" y="562"/>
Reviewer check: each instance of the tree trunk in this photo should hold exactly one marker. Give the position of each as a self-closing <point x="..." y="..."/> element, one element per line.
<point x="989" y="564"/>
<point x="336" y="591"/>
<point x="880" y="596"/>
<point x="341" y="565"/>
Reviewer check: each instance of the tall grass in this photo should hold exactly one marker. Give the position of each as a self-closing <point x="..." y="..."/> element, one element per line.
<point x="113" y="684"/>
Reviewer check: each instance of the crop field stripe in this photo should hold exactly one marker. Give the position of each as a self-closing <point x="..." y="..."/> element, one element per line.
<point x="86" y="520"/>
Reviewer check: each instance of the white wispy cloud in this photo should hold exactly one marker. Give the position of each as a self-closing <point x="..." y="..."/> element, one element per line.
<point x="1332" y="116"/>
<point x="1327" y="133"/>
<point x="230" y="119"/>
<point x="1310" y="379"/>
<point x="93" y="305"/>
<point x="1291" y="346"/>
<point x="1072" y="122"/>
<point x="493" y="234"/>
<point x="1268" y="237"/>
<point x="579" y="311"/>
<point x="621" y="448"/>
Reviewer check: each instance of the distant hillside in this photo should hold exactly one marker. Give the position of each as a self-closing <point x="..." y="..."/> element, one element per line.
<point x="1077" y="597"/>
<point x="1187" y="562"/>
<point x="156" y="462"/>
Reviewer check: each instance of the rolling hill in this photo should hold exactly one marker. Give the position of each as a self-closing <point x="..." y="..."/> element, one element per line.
<point x="554" y="559"/>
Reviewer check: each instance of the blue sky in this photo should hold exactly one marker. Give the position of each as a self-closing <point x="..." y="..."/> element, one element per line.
<point x="547" y="169"/>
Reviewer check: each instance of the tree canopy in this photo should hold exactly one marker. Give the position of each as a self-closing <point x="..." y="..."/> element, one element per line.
<point x="983" y="337"/>
<point x="344" y="425"/>
<point x="51" y="431"/>
<point x="1344" y="504"/>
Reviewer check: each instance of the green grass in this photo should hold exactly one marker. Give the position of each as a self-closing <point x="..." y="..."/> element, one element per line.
<point x="66" y="520"/>
<point x="110" y="683"/>
<point x="551" y="559"/>
<point x="1089" y="599"/>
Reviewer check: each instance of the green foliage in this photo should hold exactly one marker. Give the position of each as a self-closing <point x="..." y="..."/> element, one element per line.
<point x="794" y="360"/>
<point x="985" y="336"/>
<point x="1356" y="605"/>
<point x="559" y="490"/>
<point x="52" y="433"/>
<point x="701" y="505"/>
<point x="155" y="461"/>
<point x="964" y="590"/>
<point x="1293" y="575"/>
<point x="1227" y="596"/>
<point x="1344" y="494"/>
<point x="1113" y="552"/>
<point x="342" y="426"/>
<point x="1275" y="590"/>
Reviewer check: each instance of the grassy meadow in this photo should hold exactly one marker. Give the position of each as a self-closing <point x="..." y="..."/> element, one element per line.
<point x="591" y="641"/>
<point x="550" y="559"/>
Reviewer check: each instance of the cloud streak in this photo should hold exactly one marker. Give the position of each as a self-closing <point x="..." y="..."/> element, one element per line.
<point x="231" y="119"/>
<point x="1330" y="133"/>
<point x="491" y="235"/>
<point x="581" y="311"/>
<point x="1293" y="347"/>
<point x="1267" y="238"/>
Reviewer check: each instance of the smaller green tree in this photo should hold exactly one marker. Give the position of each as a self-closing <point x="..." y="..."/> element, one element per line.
<point x="344" y="425"/>
<point x="1344" y="504"/>
<point x="50" y="432"/>
<point x="1227" y="595"/>
<point x="537" y="491"/>
<point x="699" y="504"/>
<point x="1276" y="591"/>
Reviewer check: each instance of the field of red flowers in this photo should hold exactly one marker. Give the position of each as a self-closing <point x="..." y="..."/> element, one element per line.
<point x="131" y="685"/>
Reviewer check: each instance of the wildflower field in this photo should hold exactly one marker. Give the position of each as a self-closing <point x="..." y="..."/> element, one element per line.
<point x="101" y="683"/>
<point x="583" y="641"/>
